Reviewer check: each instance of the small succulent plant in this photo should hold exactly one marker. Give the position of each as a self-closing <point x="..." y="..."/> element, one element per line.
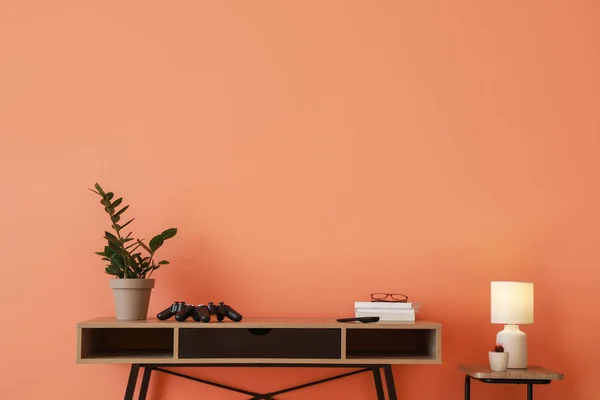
<point x="498" y="348"/>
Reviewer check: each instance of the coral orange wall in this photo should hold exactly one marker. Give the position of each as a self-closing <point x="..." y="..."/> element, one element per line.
<point x="310" y="152"/>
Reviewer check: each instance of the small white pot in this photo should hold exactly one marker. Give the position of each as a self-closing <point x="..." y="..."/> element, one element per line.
<point x="498" y="361"/>
<point x="132" y="297"/>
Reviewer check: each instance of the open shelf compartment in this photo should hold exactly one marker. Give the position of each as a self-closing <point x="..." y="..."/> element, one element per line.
<point x="127" y="343"/>
<point x="418" y="344"/>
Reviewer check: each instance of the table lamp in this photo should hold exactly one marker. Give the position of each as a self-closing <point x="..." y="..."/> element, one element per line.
<point x="512" y="304"/>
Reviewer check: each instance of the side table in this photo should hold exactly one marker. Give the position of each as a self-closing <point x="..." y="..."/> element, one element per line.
<point x="533" y="375"/>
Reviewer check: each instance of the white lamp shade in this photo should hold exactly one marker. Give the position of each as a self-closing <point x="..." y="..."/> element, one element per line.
<point x="512" y="302"/>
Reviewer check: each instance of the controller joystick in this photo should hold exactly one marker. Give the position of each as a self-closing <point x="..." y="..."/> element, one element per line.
<point x="200" y="313"/>
<point x="185" y="312"/>
<point x="169" y="312"/>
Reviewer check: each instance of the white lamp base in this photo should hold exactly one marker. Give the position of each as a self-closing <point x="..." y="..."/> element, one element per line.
<point x="514" y="341"/>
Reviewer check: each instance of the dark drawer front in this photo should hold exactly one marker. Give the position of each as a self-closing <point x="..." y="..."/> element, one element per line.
<point x="259" y="343"/>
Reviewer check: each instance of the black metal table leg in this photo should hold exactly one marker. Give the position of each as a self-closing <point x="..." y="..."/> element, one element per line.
<point x="378" y="384"/>
<point x="269" y="396"/>
<point x="131" y="382"/>
<point x="467" y="387"/>
<point x="145" y="383"/>
<point x="528" y="382"/>
<point x="375" y="369"/>
<point x="249" y="393"/>
<point x="529" y="391"/>
<point x="389" y="380"/>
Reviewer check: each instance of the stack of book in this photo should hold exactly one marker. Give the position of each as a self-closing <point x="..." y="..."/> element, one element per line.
<point x="404" y="312"/>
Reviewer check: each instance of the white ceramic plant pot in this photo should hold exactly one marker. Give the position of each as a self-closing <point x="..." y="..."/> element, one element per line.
<point x="499" y="361"/>
<point x="132" y="297"/>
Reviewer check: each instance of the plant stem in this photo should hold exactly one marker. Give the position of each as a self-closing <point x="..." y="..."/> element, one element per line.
<point x="125" y="266"/>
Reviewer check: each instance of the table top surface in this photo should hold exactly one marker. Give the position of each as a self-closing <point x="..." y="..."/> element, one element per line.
<point x="111" y="322"/>
<point x="482" y="371"/>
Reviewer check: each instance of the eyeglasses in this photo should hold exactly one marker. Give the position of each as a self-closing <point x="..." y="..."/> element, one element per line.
<point x="389" y="297"/>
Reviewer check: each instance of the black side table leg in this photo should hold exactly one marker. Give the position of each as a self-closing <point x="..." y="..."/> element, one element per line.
<point x="389" y="380"/>
<point x="530" y="391"/>
<point x="145" y="383"/>
<point x="467" y="387"/>
<point x="131" y="382"/>
<point x="378" y="383"/>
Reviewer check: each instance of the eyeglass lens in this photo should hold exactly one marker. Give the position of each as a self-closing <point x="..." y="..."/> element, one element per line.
<point x="389" y="297"/>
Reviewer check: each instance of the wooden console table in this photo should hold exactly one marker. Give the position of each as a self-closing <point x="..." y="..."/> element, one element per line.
<point x="154" y="345"/>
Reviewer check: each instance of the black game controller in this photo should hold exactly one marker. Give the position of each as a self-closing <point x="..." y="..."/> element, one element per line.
<point x="169" y="312"/>
<point x="222" y="310"/>
<point x="184" y="312"/>
<point x="200" y="313"/>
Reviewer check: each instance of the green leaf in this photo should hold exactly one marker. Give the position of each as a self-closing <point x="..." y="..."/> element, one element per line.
<point x="132" y="246"/>
<point x="164" y="262"/>
<point x="100" y="253"/>
<point x="135" y="265"/>
<point x="122" y="210"/>
<point x="99" y="189"/>
<point x="115" y="218"/>
<point x="139" y="259"/>
<point x="108" y="251"/>
<point x="108" y="196"/>
<point x="111" y="238"/>
<point x="156" y="242"/>
<point x="169" y="233"/>
<point x="115" y="248"/>
<point x="117" y="260"/>
<point x="127" y="223"/>
<point x="116" y="203"/>
<point x="144" y="246"/>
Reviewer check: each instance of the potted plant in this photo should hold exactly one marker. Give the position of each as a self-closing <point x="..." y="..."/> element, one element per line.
<point x="498" y="359"/>
<point x="127" y="262"/>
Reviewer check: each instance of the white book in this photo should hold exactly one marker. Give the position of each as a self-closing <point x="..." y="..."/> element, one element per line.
<point x="383" y="305"/>
<point x="408" y="316"/>
<point x="399" y="312"/>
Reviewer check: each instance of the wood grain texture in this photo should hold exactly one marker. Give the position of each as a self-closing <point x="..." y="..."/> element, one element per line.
<point x="108" y="341"/>
<point x="343" y="343"/>
<point x="256" y="323"/>
<point x="176" y="343"/>
<point x="233" y="361"/>
<point x="481" y="371"/>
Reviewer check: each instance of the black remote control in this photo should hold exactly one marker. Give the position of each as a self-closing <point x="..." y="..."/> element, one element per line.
<point x="364" y="320"/>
